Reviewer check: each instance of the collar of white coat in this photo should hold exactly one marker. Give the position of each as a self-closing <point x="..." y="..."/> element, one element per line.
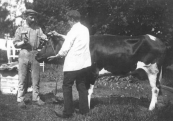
<point x="77" y="24"/>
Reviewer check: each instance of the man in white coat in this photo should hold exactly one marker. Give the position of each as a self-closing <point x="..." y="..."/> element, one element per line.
<point x="76" y="51"/>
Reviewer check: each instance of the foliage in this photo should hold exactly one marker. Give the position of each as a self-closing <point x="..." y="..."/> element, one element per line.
<point x="6" y="26"/>
<point x="122" y="17"/>
<point x="132" y="17"/>
<point x="53" y="13"/>
<point x="119" y="17"/>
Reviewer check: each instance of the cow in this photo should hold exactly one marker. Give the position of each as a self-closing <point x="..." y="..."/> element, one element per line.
<point x="120" y="55"/>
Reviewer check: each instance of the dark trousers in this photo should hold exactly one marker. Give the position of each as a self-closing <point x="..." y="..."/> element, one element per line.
<point x="80" y="78"/>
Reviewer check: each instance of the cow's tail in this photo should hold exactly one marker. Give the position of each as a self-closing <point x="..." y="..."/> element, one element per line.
<point x="160" y="76"/>
<point x="159" y="81"/>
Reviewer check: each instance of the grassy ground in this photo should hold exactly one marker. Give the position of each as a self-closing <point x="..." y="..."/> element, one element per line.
<point x="113" y="100"/>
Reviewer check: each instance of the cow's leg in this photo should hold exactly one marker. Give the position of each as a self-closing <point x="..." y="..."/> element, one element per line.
<point x="154" y="89"/>
<point x="90" y="91"/>
<point x="91" y="78"/>
<point x="152" y="72"/>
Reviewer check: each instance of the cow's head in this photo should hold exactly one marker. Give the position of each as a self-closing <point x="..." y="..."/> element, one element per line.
<point x="51" y="47"/>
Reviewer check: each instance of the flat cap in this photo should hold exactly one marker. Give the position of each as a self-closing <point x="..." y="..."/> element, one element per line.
<point x="30" y="12"/>
<point x="73" y="14"/>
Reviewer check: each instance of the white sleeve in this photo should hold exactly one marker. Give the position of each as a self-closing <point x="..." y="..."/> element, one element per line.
<point x="69" y="40"/>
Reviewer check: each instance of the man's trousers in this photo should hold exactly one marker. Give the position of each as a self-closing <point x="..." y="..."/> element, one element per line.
<point x="29" y="69"/>
<point x="79" y="77"/>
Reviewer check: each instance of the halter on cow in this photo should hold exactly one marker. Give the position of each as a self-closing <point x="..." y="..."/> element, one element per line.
<point x="121" y="55"/>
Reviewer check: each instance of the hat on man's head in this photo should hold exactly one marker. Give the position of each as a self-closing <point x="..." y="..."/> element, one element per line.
<point x="73" y="14"/>
<point x="30" y="12"/>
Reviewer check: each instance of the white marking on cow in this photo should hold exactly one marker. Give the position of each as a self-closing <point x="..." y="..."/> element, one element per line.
<point x="103" y="71"/>
<point x="152" y="37"/>
<point x="90" y="91"/>
<point x="152" y="71"/>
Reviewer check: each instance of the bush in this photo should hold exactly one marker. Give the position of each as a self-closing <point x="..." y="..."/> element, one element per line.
<point x="119" y="17"/>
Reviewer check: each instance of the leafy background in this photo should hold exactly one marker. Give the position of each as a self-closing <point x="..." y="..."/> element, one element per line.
<point x="122" y="17"/>
<point x="118" y="17"/>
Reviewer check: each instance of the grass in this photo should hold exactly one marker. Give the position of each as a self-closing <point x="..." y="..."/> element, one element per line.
<point x="113" y="100"/>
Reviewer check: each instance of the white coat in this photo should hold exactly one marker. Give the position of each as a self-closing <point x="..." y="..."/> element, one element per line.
<point x="76" y="48"/>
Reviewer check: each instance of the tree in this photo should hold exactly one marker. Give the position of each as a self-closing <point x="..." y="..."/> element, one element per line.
<point x="6" y="26"/>
<point x="122" y="17"/>
<point x="118" y="17"/>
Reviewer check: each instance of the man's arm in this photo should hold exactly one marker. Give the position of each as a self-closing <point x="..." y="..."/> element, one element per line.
<point x="69" y="40"/>
<point x="42" y="35"/>
<point x="57" y="34"/>
<point x="63" y="36"/>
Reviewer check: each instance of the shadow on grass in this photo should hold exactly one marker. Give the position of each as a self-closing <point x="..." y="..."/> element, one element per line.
<point x="118" y="100"/>
<point x="50" y="98"/>
<point x="102" y="108"/>
<point x="138" y="106"/>
<point x="8" y="108"/>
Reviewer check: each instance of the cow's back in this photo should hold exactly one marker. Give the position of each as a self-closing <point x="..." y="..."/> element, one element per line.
<point x="120" y="54"/>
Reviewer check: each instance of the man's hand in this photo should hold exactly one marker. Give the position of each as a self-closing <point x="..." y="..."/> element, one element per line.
<point x="51" y="58"/>
<point x="19" y="43"/>
<point x="54" y="33"/>
<point x="44" y="38"/>
<point x="25" y="39"/>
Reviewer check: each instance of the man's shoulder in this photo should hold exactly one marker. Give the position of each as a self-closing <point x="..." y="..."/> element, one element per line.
<point x="18" y="28"/>
<point x="38" y="27"/>
<point x="84" y="28"/>
<point x="80" y="25"/>
<point x="22" y="27"/>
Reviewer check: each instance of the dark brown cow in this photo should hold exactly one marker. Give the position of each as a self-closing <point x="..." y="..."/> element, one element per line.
<point x="121" y="55"/>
